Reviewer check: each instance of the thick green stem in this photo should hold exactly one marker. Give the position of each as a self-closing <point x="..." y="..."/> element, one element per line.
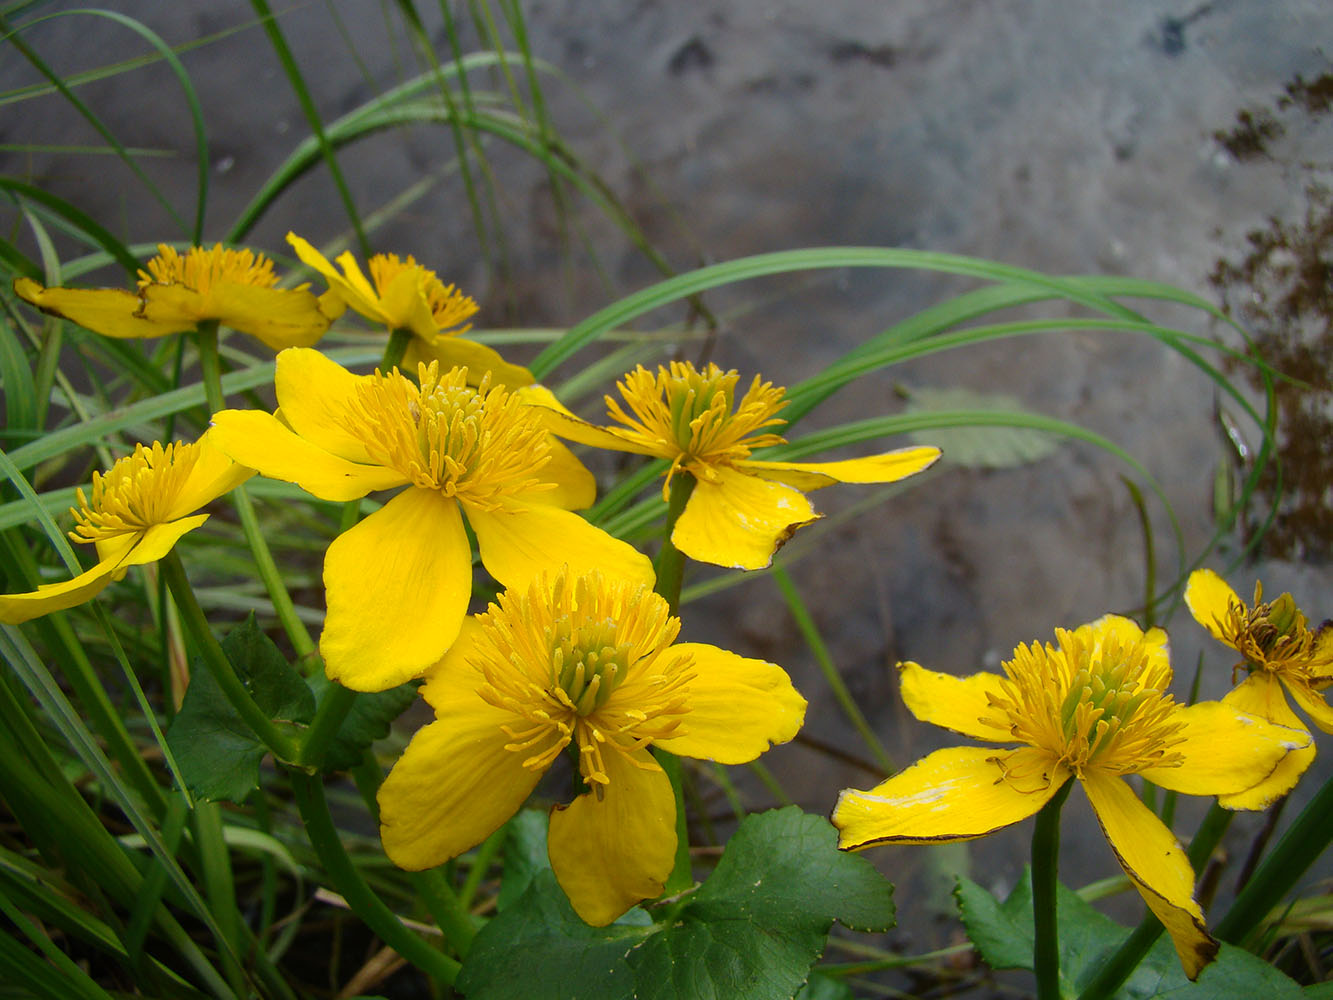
<point x="283" y="606"/>
<point x="215" y="660"/>
<point x="327" y="842"/>
<point x="1305" y="840"/>
<point x="324" y="727"/>
<point x="1045" y="884"/>
<point x="670" y="564"/>
<point x="1128" y="956"/>
<point x="395" y="349"/>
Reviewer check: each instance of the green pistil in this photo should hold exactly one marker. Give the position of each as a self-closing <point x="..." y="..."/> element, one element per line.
<point x="588" y="665"/>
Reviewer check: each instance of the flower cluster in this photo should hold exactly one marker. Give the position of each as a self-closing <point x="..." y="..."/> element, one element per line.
<point x="576" y="655"/>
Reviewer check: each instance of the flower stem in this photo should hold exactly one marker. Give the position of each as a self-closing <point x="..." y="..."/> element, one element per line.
<point x="324" y="727"/>
<point x="217" y="663"/>
<point x="670" y="563"/>
<point x="395" y="349"/>
<point x="308" y="791"/>
<point x="283" y="607"/>
<point x="1045" y="884"/>
<point x="1304" y="841"/>
<point x="1127" y="957"/>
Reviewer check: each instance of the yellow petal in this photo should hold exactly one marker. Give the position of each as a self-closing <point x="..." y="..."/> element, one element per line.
<point x="738" y="706"/>
<point x="213" y="474"/>
<point x="957" y="703"/>
<point x="575" y="487"/>
<point x="561" y="421"/>
<point x="397" y="586"/>
<point x="953" y="794"/>
<point x="459" y="352"/>
<point x="1260" y="694"/>
<point x="405" y="307"/>
<point x="316" y="396"/>
<point x="262" y="442"/>
<point x="739" y="520"/>
<point x="112" y="312"/>
<point x="356" y="288"/>
<point x="17" y="608"/>
<point x="357" y="294"/>
<point x="280" y="317"/>
<point x="453" y="787"/>
<point x="613" y="852"/>
<point x="1154" y="862"/>
<point x="1126" y="632"/>
<point x="452" y="672"/>
<point x="1208" y="597"/>
<point x="1311" y="701"/>
<point x="1226" y="750"/>
<point x="519" y="545"/>
<point x="158" y="540"/>
<point x="889" y="467"/>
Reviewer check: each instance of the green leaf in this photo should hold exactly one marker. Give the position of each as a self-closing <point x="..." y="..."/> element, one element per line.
<point x="977" y="446"/>
<point x="524" y="855"/>
<point x="825" y="988"/>
<point x="1002" y="932"/>
<point x="752" y="930"/>
<point x="217" y="752"/>
<point x="369" y="720"/>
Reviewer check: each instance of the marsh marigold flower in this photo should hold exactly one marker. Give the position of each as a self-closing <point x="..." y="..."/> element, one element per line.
<point x="741" y="509"/>
<point x="588" y="663"/>
<point x="1094" y="708"/>
<point x="403" y="295"/>
<point x="138" y="509"/>
<point x="398" y="583"/>
<point x="177" y="292"/>
<point x="1277" y="650"/>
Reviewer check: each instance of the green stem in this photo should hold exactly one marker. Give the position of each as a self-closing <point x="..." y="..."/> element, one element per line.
<point x="1304" y="841"/>
<point x="450" y="916"/>
<point x="395" y="349"/>
<point x="1127" y="957"/>
<point x="324" y="727"/>
<point x="815" y="641"/>
<point x="1045" y="884"/>
<point x="670" y="563"/>
<point x="220" y="889"/>
<point x="682" y="874"/>
<point x="217" y="663"/>
<point x="308" y="791"/>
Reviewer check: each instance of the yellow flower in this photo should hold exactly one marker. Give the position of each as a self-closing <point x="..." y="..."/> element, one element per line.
<point x="399" y="582"/>
<point x="742" y="509"/>
<point x="1094" y="708"/>
<point x="1277" y="650"/>
<point x="585" y="662"/>
<point x="177" y="293"/>
<point x="403" y="295"/>
<point x="139" y="508"/>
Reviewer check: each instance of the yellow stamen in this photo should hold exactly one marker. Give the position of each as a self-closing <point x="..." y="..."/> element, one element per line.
<point x="200" y="269"/>
<point x="687" y="416"/>
<point x="448" y="305"/>
<point x="479" y="445"/>
<point x="1089" y="705"/>
<point x="585" y="661"/>
<point x="1276" y="637"/>
<point x="135" y="493"/>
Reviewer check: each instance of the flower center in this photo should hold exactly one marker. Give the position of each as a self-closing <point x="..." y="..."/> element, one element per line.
<point x="1275" y="636"/>
<point x="480" y="445"/>
<point x="1091" y="703"/>
<point x="135" y="493"/>
<point x="200" y="269"/>
<point x="583" y="661"/>
<point x="692" y="417"/>
<point x="448" y="306"/>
